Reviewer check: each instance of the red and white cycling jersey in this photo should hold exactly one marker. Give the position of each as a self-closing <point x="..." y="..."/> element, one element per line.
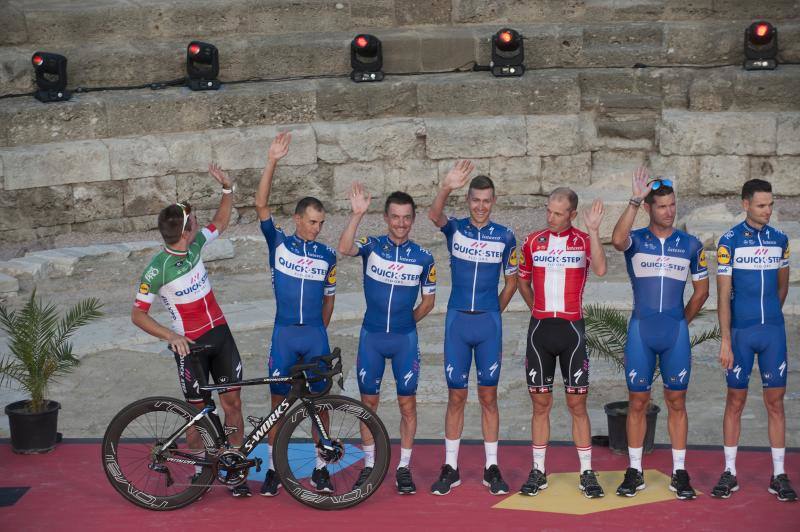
<point x="557" y="264"/>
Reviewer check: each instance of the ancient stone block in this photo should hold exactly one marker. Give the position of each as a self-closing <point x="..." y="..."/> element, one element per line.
<point x="616" y="166"/>
<point x="723" y="174"/>
<point x="771" y="90"/>
<point x="58" y="163"/>
<point x="683" y="170"/>
<point x="247" y="148"/>
<point x="151" y="112"/>
<point x="415" y="176"/>
<point x="782" y="172"/>
<point x="475" y="137"/>
<point x="516" y="175"/>
<point x="187" y="152"/>
<point x="789" y="134"/>
<point x="372" y="175"/>
<point x="12" y="20"/>
<point x="97" y="201"/>
<point x="713" y="93"/>
<point x="439" y="51"/>
<point x="263" y="103"/>
<point x="702" y="43"/>
<point x="368" y="140"/>
<point x="553" y="134"/>
<point x="340" y="99"/>
<point x="414" y="12"/>
<point x="28" y="121"/>
<point x="32" y="208"/>
<point x="148" y="195"/>
<point x="727" y="133"/>
<point x="137" y="157"/>
<point x="566" y="170"/>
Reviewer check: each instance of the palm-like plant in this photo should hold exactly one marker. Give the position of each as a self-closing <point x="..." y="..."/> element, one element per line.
<point x="607" y="332"/>
<point x="38" y="339"/>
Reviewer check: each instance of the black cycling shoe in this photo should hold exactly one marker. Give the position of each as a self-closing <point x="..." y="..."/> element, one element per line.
<point x="362" y="477"/>
<point x="589" y="486"/>
<point x="448" y="478"/>
<point x="494" y="480"/>
<point x="632" y="484"/>
<point x="196" y="478"/>
<point x="271" y="484"/>
<point x="242" y="490"/>
<point x="321" y="480"/>
<point x="536" y="482"/>
<point x="680" y="485"/>
<point x="405" y="486"/>
<point x="726" y="486"/>
<point x="781" y="488"/>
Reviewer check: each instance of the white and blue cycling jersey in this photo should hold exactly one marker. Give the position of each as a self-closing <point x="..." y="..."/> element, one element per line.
<point x="303" y="272"/>
<point x="752" y="258"/>
<point x="393" y="277"/>
<point x="658" y="269"/>
<point x="477" y="257"/>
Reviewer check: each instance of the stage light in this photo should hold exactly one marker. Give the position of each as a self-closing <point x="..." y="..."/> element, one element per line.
<point x="51" y="77"/>
<point x="202" y="66"/>
<point x="760" y="46"/>
<point x="508" y="54"/>
<point x="366" y="58"/>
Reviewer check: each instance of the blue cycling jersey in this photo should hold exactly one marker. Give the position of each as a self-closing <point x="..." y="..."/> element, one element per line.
<point x="477" y="257"/>
<point x="658" y="270"/>
<point x="303" y="272"/>
<point x="393" y="276"/>
<point x="752" y="258"/>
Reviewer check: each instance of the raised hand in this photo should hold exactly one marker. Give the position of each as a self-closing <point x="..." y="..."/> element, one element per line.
<point x="640" y="186"/>
<point x="279" y="147"/>
<point x="359" y="198"/>
<point x="457" y="177"/>
<point x="593" y="216"/>
<point x="218" y="174"/>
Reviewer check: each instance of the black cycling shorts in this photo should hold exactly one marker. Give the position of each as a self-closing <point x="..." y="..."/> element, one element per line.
<point x="221" y="361"/>
<point x="553" y="338"/>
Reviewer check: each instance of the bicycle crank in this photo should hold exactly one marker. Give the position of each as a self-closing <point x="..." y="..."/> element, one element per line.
<point x="232" y="467"/>
<point x="331" y="451"/>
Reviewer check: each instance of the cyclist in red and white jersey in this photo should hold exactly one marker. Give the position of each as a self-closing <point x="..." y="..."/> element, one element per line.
<point x="553" y="268"/>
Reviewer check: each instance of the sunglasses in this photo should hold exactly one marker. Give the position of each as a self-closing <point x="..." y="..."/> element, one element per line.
<point x="186" y="209"/>
<point x="659" y="182"/>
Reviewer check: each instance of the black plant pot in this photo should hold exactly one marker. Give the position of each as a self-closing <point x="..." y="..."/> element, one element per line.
<point x="617" y="434"/>
<point x="33" y="433"/>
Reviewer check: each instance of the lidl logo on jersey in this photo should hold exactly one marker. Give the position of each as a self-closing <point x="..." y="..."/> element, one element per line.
<point x="298" y="266"/>
<point x="646" y="265"/>
<point x="473" y="250"/>
<point x="394" y="273"/>
<point x="758" y="258"/>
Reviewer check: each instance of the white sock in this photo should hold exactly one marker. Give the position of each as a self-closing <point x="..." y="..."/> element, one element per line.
<point x="635" y="454"/>
<point x="320" y="463"/>
<point x="678" y="459"/>
<point x="730" y="458"/>
<point x="451" y="452"/>
<point x="369" y="455"/>
<point x="539" y="452"/>
<point x="585" y="456"/>
<point x="269" y="457"/>
<point x="405" y="458"/>
<point x="777" y="461"/>
<point x="491" y="453"/>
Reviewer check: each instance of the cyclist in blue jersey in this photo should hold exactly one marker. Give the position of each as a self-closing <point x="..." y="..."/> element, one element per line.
<point x="304" y="282"/>
<point x="659" y="259"/>
<point x="396" y="270"/>
<point x="752" y="284"/>
<point x="480" y="252"/>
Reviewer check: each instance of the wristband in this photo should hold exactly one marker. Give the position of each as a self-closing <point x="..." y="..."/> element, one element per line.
<point x="636" y="202"/>
<point x="229" y="190"/>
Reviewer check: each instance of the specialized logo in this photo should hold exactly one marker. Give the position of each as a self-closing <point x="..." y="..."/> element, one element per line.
<point x="472" y="250"/>
<point x="532" y="374"/>
<point x="723" y="255"/>
<point x="239" y="371"/>
<point x="737" y="371"/>
<point x="782" y="368"/>
<point x="407" y="377"/>
<point x="632" y="375"/>
<point x="682" y="375"/>
<point x="362" y="374"/>
<point x="493" y="368"/>
<point x="144" y="288"/>
<point x="577" y="375"/>
<point x="449" y="371"/>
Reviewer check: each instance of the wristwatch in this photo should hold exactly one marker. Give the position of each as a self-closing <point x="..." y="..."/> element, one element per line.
<point x="230" y="190"/>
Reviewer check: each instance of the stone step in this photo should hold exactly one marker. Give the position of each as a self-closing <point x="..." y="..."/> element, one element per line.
<point x="406" y="50"/>
<point x="58" y="22"/>
<point x="627" y="102"/>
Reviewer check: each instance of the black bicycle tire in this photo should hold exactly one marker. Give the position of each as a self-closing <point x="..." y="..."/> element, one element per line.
<point x="114" y="473"/>
<point x="332" y="502"/>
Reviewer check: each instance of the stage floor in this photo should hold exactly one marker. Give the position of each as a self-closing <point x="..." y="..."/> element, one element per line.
<point x="67" y="490"/>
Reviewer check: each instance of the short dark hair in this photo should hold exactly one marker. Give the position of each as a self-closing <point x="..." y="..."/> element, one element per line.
<point x="400" y="198"/>
<point x="663" y="190"/>
<point x="170" y="222"/>
<point x="305" y="203"/>
<point x="755" y="185"/>
<point x="481" y="182"/>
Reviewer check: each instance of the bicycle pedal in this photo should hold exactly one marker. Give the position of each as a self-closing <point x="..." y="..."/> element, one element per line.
<point x="255" y="421"/>
<point x="256" y="462"/>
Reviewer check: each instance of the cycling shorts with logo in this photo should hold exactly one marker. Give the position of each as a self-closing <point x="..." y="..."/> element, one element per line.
<point x="221" y="361"/>
<point x="552" y="338"/>
<point x="661" y="336"/>
<point x="373" y="350"/>
<point x="296" y="344"/>
<point x="466" y="333"/>
<point x="769" y="342"/>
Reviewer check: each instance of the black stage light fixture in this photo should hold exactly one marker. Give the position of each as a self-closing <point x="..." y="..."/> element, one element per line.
<point x="366" y="58"/>
<point x="51" y="77"/>
<point x="202" y="66"/>
<point x="760" y="46"/>
<point x="508" y="54"/>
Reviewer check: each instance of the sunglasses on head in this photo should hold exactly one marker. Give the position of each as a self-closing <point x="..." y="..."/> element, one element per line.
<point x="659" y="182"/>
<point x="186" y="209"/>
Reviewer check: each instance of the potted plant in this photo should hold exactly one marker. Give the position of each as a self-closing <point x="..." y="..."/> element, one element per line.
<point x="40" y="352"/>
<point x="606" y="334"/>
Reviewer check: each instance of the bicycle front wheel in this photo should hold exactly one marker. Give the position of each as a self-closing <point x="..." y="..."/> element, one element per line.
<point x="321" y="481"/>
<point x="148" y="478"/>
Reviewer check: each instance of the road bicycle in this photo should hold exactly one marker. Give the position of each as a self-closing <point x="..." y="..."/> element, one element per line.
<point x="148" y="459"/>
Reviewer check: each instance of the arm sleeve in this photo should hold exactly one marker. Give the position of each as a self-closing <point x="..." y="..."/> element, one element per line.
<point x="272" y="233"/>
<point x="786" y="253"/>
<point x="330" y="278"/>
<point x="725" y="251"/>
<point x="698" y="263"/>
<point x="510" y="262"/>
<point x="428" y="279"/>
<point x="149" y="285"/>
<point x="525" y="259"/>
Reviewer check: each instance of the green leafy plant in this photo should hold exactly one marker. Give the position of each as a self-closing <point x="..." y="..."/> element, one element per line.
<point x="38" y="340"/>
<point x="607" y="332"/>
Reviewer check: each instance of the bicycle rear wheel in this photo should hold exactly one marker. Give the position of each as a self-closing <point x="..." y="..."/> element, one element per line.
<point x="296" y="455"/>
<point x="145" y="477"/>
